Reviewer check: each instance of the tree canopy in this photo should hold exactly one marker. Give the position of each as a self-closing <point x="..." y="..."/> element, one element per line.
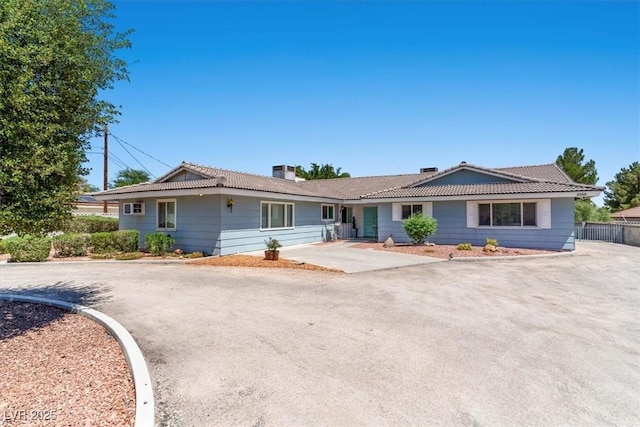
<point x="129" y="177"/>
<point x="56" y="57"/>
<point x="85" y="187"/>
<point x="572" y="162"/>
<point x="324" y="171"/>
<point x="624" y="191"/>
<point x="586" y="210"/>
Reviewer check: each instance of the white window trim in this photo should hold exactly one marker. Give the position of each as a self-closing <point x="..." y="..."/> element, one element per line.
<point x="293" y="214"/>
<point x="131" y="208"/>
<point x="396" y="209"/>
<point x="333" y="211"/>
<point x="175" y="221"/>
<point x="543" y="214"/>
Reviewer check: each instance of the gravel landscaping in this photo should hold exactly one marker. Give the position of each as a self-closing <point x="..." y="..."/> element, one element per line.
<point x="61" y="369"/>
<point x="443" y="251"/>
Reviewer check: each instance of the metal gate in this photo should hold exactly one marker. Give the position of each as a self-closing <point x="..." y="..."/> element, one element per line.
<point x="603" y="232"/>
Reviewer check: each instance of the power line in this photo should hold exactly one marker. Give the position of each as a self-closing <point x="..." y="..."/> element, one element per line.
<point x="134" y="157"/>
<point x="114" y="158"/>
<point x="137" y="149"/>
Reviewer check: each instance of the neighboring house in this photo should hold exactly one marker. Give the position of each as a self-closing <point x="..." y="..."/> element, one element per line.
<point x="627" y="215"/>
<point x="218" y="211"/>
<point x="86" y="204"/>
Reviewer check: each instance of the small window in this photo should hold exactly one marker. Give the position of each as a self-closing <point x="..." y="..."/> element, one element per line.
<point x="328" y="213"/>
<point x="484" y="211"/>
<point x="276" y="215"/>
<point x="408" y="210"/>
<point x="529" y="214"/>
<point x="166" y="214"/>
<point x="133" y="208"/>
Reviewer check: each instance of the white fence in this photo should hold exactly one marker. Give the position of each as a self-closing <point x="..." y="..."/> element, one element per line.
<point x="603" y="232"/>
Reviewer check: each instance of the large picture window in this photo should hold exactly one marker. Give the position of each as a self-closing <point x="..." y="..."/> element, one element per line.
<point x="166" y="214"/>
<point x="276" y="215"/>
<point x="517" y="214"/>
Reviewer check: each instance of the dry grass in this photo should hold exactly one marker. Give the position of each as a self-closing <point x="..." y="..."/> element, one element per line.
<point x="254" y="261"/>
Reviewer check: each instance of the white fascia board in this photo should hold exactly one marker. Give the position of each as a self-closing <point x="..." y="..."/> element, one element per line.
<point x="574" y="195"/>
<point x="214" y="191"/>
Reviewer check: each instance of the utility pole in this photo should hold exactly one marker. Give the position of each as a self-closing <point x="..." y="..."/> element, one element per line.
<point x="106" y="165"/>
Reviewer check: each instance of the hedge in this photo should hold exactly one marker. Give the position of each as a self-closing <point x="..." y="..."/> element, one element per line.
<point x="29" y="248"/>
<point x="72" y="244"/>
<point x="126" y="240"/>
<point x="116" y="241"/>
<point x="90" y="224"/>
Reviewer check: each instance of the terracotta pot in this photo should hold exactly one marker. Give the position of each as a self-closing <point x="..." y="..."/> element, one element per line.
<point x="271" y="255"/>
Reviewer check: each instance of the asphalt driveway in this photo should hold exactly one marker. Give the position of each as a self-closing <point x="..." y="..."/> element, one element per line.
<point x="542" y="341"/>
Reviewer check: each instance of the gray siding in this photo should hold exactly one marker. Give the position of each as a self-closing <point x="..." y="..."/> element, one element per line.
<point x="207" y="225"/>
<point x="452" y="228"/>
<point x="185" y="176"/>
<point x="465" y="177"/>
<point x="197" y="223"/>
<point x="241" y="228"/>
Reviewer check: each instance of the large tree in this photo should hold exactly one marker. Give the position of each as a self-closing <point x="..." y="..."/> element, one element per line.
<point x="325" y="171"/>
<point x="85" y="187"/>
<point x="56" y="57"/>
<point x="129" y="177"/>
<point x="624" y="191"/>
<point x="572" y="162"/>
<point x="586" y="210"/>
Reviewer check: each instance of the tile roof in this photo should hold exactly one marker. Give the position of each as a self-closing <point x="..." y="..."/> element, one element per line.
<point x="478" y="190"/>
<point x="550" y="172"/>
<point x="533" y="179"/>
<point x="627" y="213"/>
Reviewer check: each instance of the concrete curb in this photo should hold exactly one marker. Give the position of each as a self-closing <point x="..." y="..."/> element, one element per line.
<point x="509" y="257"/>
<point x="145" y="407"/>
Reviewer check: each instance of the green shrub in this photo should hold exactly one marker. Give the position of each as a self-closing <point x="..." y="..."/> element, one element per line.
<point x="492" y="242"/>
<point x="419" y="227"/>
<point x="126" y="240"/>
<point x="3" y="247"/>
<point x="90" y="224"/>
<point x="72" y="244"/>
<point x="157" y="243"/>
<point x="103" y="242"/>
<point x="127" y="256"/>
<point x="464" y="246"/>
<point x="29" y="248"/>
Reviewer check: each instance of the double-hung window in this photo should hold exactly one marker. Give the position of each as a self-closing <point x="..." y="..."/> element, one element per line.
<point x="276" y="215"/>
<point x="408" y="210"/>
<point x="166" y="214"/>
<point x="402" y="211"/>
<point x="328" y="213"/>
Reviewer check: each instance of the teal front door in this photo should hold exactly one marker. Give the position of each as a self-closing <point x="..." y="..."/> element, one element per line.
<point x="370" y="223"/>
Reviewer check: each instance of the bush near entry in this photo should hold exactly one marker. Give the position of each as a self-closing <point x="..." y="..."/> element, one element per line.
<point x="419" y="227"/>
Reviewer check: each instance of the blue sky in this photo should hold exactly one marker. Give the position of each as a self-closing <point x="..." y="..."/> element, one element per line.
<point x="377" y="87"/>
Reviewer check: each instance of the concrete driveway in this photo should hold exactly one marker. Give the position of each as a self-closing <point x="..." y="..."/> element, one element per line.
<point x="343" y="256"/>
<point x="543" y="341"/>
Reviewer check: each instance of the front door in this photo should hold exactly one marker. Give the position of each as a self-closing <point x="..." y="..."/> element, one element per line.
<point x="370" y="222"/>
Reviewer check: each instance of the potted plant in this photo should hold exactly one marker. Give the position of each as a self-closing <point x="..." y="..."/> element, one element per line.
<point x="272" y="253"/>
